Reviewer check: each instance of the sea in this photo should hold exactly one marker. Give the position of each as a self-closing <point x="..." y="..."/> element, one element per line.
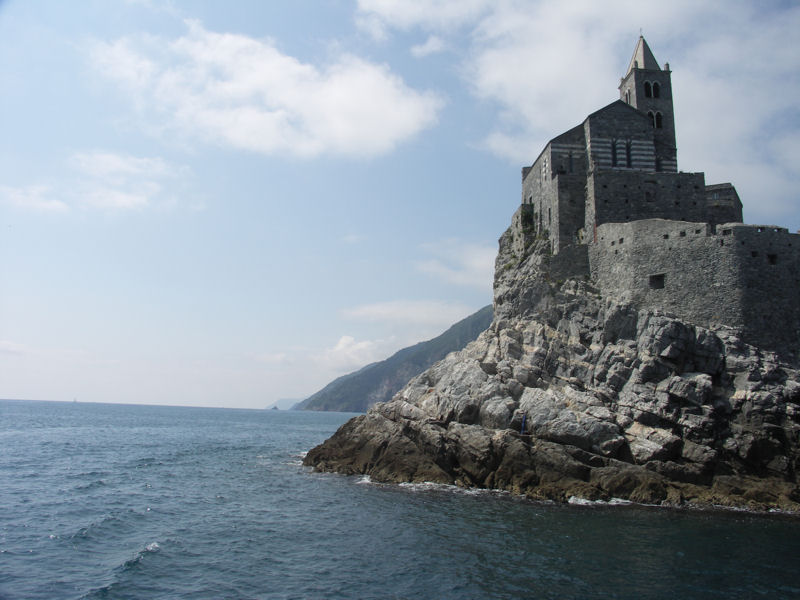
<point x="147" y="502"/>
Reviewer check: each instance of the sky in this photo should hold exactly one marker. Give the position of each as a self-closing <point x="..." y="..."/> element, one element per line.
<point x="232" y="203"/>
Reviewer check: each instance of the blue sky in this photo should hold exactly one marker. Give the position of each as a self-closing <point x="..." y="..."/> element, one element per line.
<point x="226" y="204"/>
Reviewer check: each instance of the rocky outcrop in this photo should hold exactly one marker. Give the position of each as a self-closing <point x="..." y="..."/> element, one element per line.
<point x="569" y="393"/>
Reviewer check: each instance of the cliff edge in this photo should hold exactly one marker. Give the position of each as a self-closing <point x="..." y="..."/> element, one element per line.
<point x="573" y="393"/>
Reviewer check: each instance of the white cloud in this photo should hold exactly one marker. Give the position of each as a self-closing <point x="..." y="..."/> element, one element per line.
<point x="460" y="263"/>
<point x="39" y="198"/>
<point x="243" y="92"/>
<point x="349" y="354"/>
<point x="432" y="45"/>
<point x="117" y="168"/>
<point x="117" y="181"/>
<point x="431" y="14"/>
<point x="100" y="180"/>
<point x="415" y="312"/>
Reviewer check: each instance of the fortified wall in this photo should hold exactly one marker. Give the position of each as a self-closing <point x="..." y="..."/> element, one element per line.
<point x="609" y="199"/>
<point x="742" y="276"/>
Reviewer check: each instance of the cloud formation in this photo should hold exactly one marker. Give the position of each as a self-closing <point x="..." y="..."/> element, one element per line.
<point x="378" y="16"/>
<point x="118" y="181"/>
<point x="460" y="263"/>
<point x="237" y="91"/>
<point x="99" y="180"/>
<point x="428" y="313"/>
<point x="38" y="198"/>
<point x="432" y="45"/>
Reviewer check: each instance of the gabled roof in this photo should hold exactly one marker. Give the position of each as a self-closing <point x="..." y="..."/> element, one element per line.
<point x="618" y="105"/>
<point x="643" y="58"/>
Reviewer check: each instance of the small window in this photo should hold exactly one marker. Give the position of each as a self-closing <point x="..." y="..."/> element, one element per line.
<point x="657" y="282"/>
<point x="613" y="153"/>
<point x="754" y="254"/>
<point x="726" y="232"/>
<point x="659" y="121"/>
<point x="621" y="240"/>
<point x="652" y="118"/>
<point x="656" y="90"/>
<point x="628" y="159"/>
<point x="666" y="236"/>
<point x="648" y="90"/>
<point x="772" y="259"/>
<point x="683" y="234"/>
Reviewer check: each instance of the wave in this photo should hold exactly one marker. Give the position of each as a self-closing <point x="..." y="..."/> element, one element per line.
<point x="92" y="485"/>
<point x="121" y="572"/>
<point x="110" y="525"/>
<point x="576" y="500"/>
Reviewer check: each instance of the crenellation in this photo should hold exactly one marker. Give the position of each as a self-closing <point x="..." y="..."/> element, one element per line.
<point x="610" y="190"/>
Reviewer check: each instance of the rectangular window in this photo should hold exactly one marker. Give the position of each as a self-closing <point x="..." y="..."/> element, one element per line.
<point x="657" y="281"/>
<point x="772" y="259"/>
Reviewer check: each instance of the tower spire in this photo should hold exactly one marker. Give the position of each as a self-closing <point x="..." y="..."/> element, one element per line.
<point x="643" y="57"/>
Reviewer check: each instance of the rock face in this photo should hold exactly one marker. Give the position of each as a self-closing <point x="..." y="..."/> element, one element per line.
<point x="569" y="393"/>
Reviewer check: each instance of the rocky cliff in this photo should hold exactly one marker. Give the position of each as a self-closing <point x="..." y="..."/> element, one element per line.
<point x="572" y="394"/>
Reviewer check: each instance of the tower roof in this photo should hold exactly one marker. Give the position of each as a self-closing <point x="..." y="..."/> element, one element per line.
<point x="643" y="57"/>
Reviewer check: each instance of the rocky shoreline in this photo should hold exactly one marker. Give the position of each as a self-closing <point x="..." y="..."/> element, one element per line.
<point x="572" y="394"/>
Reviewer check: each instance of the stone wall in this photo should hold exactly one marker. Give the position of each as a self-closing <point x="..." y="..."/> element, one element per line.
<point x="769" y="273"/>
<point x="620" y="197"/>
<point x="742" y="276"/>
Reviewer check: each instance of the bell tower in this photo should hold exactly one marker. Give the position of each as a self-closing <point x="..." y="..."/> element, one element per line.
<point x="648" y="88"/>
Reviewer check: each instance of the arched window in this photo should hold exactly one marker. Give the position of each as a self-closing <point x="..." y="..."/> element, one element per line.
<point x="628" y="159"/>
<point x="613" y="153"/>
<point x="659" y="122"/>
<point x="652" y="117"/>
<point x="656" y="90"/>
<point x="627" y="96"/>
<point x="648" y="90"/>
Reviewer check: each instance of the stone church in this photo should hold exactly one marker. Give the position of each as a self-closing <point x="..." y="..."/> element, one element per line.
<point x="608" y="197"/>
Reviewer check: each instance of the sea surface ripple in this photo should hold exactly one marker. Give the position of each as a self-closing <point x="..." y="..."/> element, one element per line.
<point x="143" y="502"/>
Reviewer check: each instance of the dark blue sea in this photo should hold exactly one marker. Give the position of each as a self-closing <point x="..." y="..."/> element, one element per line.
<point x="144" y="502"/>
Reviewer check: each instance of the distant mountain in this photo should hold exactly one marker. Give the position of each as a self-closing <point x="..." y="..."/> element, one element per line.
<point x="284" y="404"/>
<point x="379" y="381"/>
